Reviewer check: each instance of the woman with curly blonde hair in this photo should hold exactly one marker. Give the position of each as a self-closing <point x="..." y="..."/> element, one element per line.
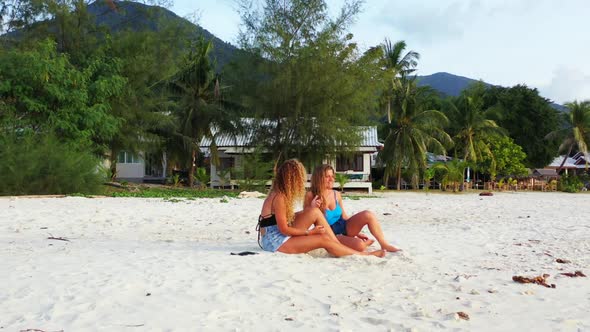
<point x="348" y="229"/>
<point x="283" y="230"/>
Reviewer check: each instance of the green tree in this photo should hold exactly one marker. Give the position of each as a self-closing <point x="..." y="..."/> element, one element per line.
<point x="41" y="163"/>
<point x="199" y="109"/>
<point x="528" y="118"/>
<point x="397" y="66"/>
<point x="311" y="82"/>
<point x="414" y="130"/>
<point x="342" y="180"/>
<point x="470" y="126"/>
<point x="147" y="58"/>
<point x="576" y="133"/>
<point x="506" y="158"/>
<point x="45" y="92"/>
<point x="452" y="173"/>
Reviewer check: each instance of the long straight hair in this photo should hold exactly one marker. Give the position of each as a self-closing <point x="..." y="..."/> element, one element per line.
<point x="318" y="183"/>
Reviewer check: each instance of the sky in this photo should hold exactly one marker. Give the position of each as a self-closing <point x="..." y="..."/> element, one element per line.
<point x="544" y="44"/>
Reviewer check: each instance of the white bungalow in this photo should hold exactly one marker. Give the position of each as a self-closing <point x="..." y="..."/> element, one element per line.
<point x="231" y="152"/>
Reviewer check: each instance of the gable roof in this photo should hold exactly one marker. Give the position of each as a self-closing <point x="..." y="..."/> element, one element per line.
<point x="369" y="138"/>
<point x="576" y="162"/>
<point x="545" y="172"/>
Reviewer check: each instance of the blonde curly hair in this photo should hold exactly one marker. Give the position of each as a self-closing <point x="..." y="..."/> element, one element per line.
<point x="318" y="183"/>
<point x="290" y="180"/>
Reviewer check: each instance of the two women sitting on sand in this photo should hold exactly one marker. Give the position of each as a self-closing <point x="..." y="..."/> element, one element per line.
<point x="281" y="229"/>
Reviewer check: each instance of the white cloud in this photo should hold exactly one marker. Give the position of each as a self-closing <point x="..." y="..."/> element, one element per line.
<point x="567" y="84"/>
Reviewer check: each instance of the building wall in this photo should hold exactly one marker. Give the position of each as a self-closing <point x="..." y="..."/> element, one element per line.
<point x="130" y="167"/>
<point x="130" y="171"/>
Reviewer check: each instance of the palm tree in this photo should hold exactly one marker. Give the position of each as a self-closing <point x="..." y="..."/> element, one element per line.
<point x="452" y="173"/>
<point x="471" y="127"/>
<point x="200" y="111"/>
<point x="576" y="133"/>
<point x="413" y="131"/>
<point x="397" y="66"/>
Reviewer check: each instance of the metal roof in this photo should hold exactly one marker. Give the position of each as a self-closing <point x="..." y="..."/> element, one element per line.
<point x="571" y="163"/>
<point x="368" y="136"/>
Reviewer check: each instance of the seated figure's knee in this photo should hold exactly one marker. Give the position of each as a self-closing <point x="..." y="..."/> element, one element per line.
<point x="368" y="215"/>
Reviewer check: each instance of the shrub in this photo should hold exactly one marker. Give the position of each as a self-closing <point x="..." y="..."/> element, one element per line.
<point x="41" y="164"/>
<point x="570" y="183"/>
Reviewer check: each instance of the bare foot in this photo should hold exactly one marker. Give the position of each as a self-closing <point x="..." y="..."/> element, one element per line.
<point x="378" y="253"/>
<point x="390" y="248"/>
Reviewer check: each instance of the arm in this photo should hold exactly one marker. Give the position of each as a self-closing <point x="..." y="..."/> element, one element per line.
<point x="307" y="200"/>
<point x="339" y="197"/>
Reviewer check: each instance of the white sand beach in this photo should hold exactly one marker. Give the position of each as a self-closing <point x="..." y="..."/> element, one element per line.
<point x="154" y="265"/>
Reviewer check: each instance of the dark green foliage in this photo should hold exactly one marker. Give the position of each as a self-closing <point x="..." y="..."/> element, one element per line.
<point x="255" y="171"/>
<point x="572" y="183"/>
<point x="198" y="108"/>
<point x="42" y="164"/>
<point x="470" y="124"/>
<point x="44" y="91"/>
<point x="528" y="118"/>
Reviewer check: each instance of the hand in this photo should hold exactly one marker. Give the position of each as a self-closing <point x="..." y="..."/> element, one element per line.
<point x="316" y="201"/>
<point x="362" y="236"/>
<point x="317" y="230"/>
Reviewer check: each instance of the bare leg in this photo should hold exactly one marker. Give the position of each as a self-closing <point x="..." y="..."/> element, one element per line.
<point x="356" y="223"/>
<point x="354" y="242"/>
<point x="312" y="216"/>
<point x="303" y="244"/>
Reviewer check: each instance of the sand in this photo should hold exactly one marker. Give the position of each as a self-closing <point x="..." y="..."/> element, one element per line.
<point x="165" y="265"/>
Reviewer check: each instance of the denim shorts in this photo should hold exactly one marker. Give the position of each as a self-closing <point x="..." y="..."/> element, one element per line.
<point x="339" y="227"/>
<point x="273" y="239"/>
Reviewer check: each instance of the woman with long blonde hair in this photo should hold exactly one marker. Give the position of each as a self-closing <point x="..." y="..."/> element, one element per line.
<point x="283" y="230"/>
<point x="348" y="229"/>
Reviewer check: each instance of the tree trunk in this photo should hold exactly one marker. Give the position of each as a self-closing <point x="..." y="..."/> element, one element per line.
<point x="389" y="110"/>
<point x="564" y="159"/>
<point x="399" y="178"/>
<point x="113" y="166"/>
<point x="191" y="176"/>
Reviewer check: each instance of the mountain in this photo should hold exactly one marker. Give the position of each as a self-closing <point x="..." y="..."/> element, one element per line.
<point x="447" y="84"/>
<point x="452" y="85"/>
<point x="120" y="15"/>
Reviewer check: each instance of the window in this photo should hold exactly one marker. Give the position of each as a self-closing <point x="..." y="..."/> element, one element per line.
<point x="349" y="163"/>
<point x="225" y="163"/>
<point x="125" y="157"/>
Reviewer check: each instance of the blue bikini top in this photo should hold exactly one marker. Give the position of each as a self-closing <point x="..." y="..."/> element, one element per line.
<point x="333" y="216"/>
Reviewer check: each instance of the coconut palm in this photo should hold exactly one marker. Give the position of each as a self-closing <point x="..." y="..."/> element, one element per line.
<point x="414" y="130"/>
<point x="397" y="66"/>
<point x="471" y="127"/>
<point x="452" y="173"/>
<point x="576" y="132"/>
<point x="200" y="111"/>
